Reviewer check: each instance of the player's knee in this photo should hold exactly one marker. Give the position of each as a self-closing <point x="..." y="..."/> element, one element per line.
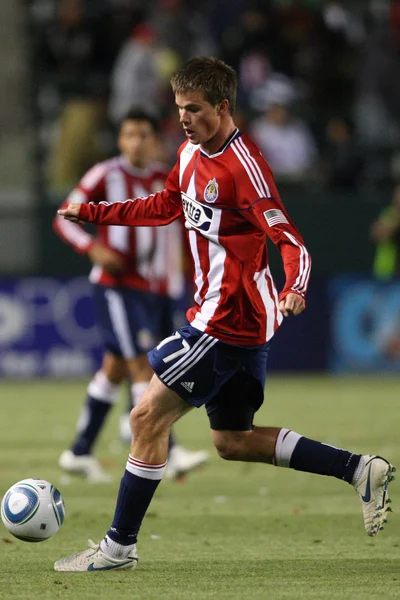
<point x="140" y="418"/>
<point x="228" y="448"/>
<point x="144" y="421"/>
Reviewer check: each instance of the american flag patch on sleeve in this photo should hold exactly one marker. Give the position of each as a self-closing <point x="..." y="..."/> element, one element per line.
<point x="274" y="216"/>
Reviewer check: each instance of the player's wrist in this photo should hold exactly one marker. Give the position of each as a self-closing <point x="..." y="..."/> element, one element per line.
<point x="286" y="292"/>
<point x="84" y="212"/>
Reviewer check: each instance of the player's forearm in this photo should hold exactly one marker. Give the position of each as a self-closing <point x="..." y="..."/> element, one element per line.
<point x="152" y="211"/>
<point x="297" y="265"/>
<point x="73" y="234"/>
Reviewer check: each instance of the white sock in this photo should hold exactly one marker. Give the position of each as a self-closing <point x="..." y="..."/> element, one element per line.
<point x="113" y="549"/>
<point x="137" y="390"/>
<point x="284" y="446"/>
<point x="102" y="389"/>
<point x="358" y="472"/>
<point x="140" y="468"/>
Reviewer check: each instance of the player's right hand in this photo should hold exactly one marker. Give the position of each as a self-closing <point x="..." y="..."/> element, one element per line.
<point x="71" y="213"/>
<point x="107" y="258"/>
<point x="292" y="304"/>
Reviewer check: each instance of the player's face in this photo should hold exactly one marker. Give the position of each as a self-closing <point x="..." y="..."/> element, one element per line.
<point x="136" y="141"/>
<point x="200" y="120"/>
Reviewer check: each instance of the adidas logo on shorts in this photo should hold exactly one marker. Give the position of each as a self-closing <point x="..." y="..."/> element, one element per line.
<point x="188" y="385"/>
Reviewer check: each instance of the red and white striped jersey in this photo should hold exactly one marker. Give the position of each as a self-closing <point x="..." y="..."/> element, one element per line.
<point x="153" y="256"/>
<point x="230" y="203"/>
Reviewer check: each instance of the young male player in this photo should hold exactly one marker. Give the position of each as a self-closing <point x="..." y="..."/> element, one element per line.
<point x="227" y="193"/>
<point x="136" y="275"/>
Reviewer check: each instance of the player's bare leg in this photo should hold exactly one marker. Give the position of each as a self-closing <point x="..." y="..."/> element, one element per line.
<point x="140" y="374"/>
<point x="256" y="445"/>
<point x="102" y="393"/>
<point x="370" y="475"/>
<point x="151" y="422"/>
<point x="181" y="460"/>
<point x="152" y="419"/>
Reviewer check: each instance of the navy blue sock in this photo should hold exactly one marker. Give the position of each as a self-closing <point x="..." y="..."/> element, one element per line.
<point x="134" y="496"/>
<point x="97" y="411"/>
<point x="315" y="457"/>
<point x="171" y="441"/>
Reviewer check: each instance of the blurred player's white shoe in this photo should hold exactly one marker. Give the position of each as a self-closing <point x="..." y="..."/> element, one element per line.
<point x="124" y="429"/>
<point x="93" y="559"/>
<point x="86" y="465"/>
<point x="181" y="461"/>
<point x="372" y="488"/>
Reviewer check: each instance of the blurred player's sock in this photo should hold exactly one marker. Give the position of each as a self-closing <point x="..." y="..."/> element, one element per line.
<point x="137" y="391"/>
<point x="171" y="441"/>
<point x="302" y="454"/>
<point x="137" y="488"/>
<point x="102" y="394"/>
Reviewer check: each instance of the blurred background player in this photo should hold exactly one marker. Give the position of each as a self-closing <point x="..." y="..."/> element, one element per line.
<point x="385" y="232"/>
<point x="137" y="276"/>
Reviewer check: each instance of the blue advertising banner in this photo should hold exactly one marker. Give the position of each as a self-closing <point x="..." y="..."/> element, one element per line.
<point x="302" y="343"/>
<point x="47" y="328"/>
<point x="365" y="325"/>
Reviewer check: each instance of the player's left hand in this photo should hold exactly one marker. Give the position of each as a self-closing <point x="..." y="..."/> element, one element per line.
<point x="71" y="213"/>
<point x="292" y="304"/>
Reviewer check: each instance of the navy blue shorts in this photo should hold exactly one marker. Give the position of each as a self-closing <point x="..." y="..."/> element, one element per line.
<point x="131" y="322"/>
<point x="203" y="370"/>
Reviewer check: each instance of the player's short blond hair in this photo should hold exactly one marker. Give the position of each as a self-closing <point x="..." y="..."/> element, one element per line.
<point x="213" y="77"/>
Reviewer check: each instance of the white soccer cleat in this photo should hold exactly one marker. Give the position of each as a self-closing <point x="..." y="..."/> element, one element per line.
<point x="181" y="461"/>
<point x="372" y="489"/>
<point x="86" y="465"/>
<point x="94" y="559"/>
<point x="124" y="429"/>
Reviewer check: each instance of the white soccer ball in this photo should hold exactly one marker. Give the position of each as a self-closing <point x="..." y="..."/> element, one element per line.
<point x="33" y="510"/>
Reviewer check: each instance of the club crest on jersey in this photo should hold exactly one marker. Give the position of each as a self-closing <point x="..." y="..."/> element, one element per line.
<point x="196" y="214"/>
<point x="211" y="191"/>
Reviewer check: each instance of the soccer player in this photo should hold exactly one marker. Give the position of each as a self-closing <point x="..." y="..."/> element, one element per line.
<point x="227" y="193"/>
<point x="136" y="275"/>
<point x="385" y="232"/>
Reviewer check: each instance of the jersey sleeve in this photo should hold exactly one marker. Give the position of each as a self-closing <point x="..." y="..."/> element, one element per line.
<point x="89" y="189"/>
<point x="160" y="208"/>
<point x="258" y="198"/>
<point x="269" y="215"/>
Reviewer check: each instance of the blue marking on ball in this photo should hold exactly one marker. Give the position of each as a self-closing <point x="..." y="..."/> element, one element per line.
<point x="59" y="504"/>
<point x="32" y="502"/>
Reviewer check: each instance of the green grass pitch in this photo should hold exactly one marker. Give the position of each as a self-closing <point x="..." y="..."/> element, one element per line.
<point x="232" y="530"/>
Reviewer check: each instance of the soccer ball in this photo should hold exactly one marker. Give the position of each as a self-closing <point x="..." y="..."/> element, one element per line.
<point x="32" y="510"/>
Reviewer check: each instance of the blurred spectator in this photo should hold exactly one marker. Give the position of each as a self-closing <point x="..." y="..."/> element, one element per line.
<point x="76" y="60"/>
<point x="377" y="100"/>
<point x="183" y="26"/>
<point x="255" y="31"/>
<point x="342" y="158"/>
<point x="252" y="46"/>
<point x="338" y="16"/>
<point x="385" y="232"/>
<point x="136" y="77"/>
<point x="285" y="140"/>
